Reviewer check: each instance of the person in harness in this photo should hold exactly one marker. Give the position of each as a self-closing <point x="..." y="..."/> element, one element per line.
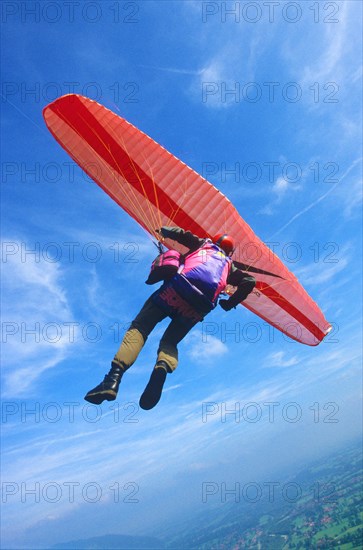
<point x="186" y="296"/>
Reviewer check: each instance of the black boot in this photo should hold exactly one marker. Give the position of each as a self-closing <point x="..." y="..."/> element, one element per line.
<point x="108" y="388"/>
<point x="152" y="392"/>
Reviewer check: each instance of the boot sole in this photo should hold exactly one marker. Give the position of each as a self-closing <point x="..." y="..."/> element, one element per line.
<point x="98" y="398"/>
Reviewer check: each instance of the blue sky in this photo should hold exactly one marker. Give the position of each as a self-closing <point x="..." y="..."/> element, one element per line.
<point x="265" y="102"/>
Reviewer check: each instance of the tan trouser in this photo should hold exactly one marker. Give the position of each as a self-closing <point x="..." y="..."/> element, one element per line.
<point x="129" y="349"/>
<point x="140" y="329"/>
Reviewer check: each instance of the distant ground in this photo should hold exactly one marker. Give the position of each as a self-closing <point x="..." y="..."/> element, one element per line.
<point x="321" y="507"/>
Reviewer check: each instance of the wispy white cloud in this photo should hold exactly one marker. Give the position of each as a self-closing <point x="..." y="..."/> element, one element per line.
<point x="174" y="70"/>
<point x="352" y="198"/>
<point x="317" y="201"/>
<point x="281" y="187"/>
<point x="230" y="59"/>
<point x="279" y="359"/>
<point x="286" y="185"/>
<point x="208" y="351"/>
<point x="171" y="388"/>
<point x="329" y="65"/>
<point x="34" y="309"/>
<point x="317" y="275"/>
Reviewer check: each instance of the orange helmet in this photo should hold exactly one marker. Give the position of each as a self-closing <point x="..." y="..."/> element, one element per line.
<point x="225" y="242"/>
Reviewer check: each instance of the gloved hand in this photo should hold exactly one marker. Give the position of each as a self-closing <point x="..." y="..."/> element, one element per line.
<point x="159" y="232"/>
<point x="225" y="305"/>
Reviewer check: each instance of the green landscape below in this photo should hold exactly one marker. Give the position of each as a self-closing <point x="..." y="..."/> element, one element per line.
<point x="319" y="508"/>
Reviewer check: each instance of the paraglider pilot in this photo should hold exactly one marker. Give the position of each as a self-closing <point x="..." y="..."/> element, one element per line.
<point x="186" y="297"/>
